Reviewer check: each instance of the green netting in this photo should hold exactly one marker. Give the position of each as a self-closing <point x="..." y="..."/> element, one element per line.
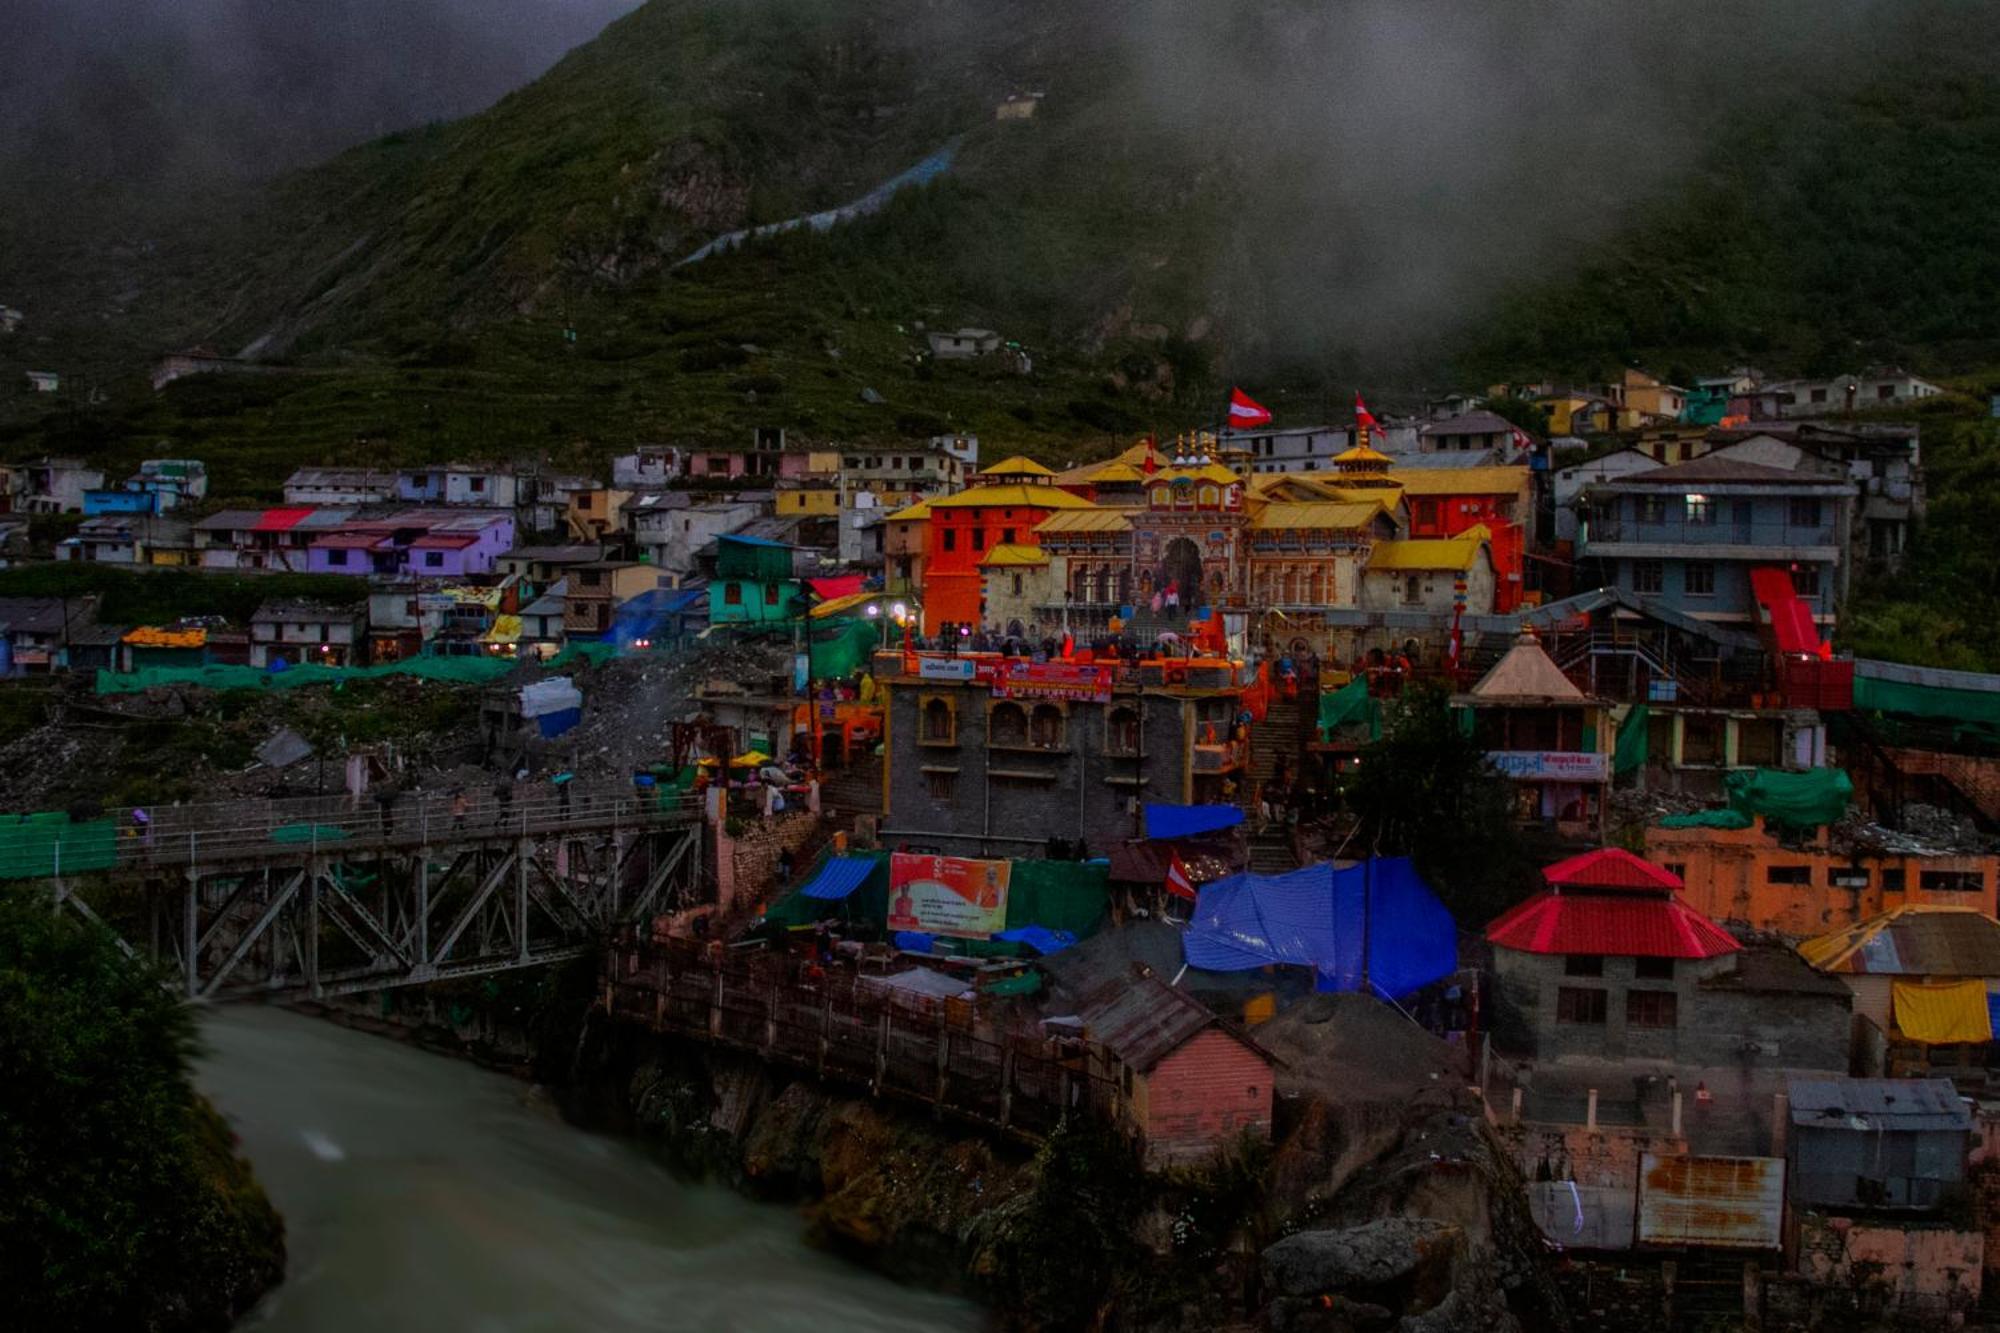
<point x="845" y="651"/>
<point x="1873" y="695"/>
<point x="1350" y="705"/>
<point x="1024" y="983"/>
<point x="292" y="833"/>
<point x="737" y="559"/>
<point x="594" y="653"/>
<point x="452" y="670"/>
<point x="33" y="846"/>
<point x="1631" y="751"/>
<point x="868" y="903"/>
<point x="1799" y="800"/>
<point x="1725" y="819"/>
<point x="1061" y="895"/>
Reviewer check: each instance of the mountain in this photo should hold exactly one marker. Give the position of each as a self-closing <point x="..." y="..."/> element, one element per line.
<point x="1300" y="196"/>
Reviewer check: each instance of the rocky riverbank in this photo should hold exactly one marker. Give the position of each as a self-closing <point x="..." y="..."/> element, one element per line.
<point x="1384" y="1203"/>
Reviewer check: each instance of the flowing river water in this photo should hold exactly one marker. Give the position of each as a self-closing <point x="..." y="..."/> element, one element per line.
<point x="422" y="1193"/>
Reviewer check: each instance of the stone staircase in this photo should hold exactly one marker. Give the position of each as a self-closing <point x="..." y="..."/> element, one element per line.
<point x="855" y="790"/>
<point x="1271" y="852"/>
<point x="1279" y="737"/>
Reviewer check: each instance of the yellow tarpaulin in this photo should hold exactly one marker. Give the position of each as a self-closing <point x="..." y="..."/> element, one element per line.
<point x="750" y="759"/>
<point x="1951" y="1011"/>
<point x="151" y="636"/>
<point x="506" y="629"/>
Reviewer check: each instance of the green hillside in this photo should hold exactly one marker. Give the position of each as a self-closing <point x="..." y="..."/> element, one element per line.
<point x="1148" y="238"/>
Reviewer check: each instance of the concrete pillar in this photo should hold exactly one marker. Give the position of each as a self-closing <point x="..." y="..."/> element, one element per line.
<point x="1781" y="1123"/>
<point x="1677" y="1113"/>
<point x="1590" y="1112"/>
<point x="1753" y="1297"/>
<point x="1517" y="1105"/>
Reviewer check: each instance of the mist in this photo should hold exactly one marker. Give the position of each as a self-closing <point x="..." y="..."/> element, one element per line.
<point x="141" y="93"/>
<point x="1393" y="163"/>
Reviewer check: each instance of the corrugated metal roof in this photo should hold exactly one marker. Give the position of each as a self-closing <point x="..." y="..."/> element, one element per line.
<point x="1015" y="554"/>
<point x="1332" y="515"/>
<point x="1624" y="925"/>
<point x="1526" y="672"/>
<point x="1143" y="1020"/>
<point x="1015" y="495"/>
<point x="1020" y="465"/>
<point x="1912" y="940"/>
<point x="1452" y="553"/>
<point x="1463" y="480"/>
<point x="1609" y="868"/>
<point x="1864" y="1104"/>
<point x="1085" y="520"/>
<point x="1721" y="1202"/>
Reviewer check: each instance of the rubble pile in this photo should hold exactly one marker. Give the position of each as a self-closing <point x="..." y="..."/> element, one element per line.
<point x="1921" y="830"/>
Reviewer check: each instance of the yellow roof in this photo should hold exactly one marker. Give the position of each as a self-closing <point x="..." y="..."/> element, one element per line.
<point x="1361" y="453"/>
<point x="1309" y="486"/>
<point x="1923" y="939"/>
<point x="1085" y="520"/>
<point x="1019" y="465"/>
<point x="1463" y="480"/>
<point x="984" y="497"/>
<point x="1330" y="514"/>
<point x="1951" y="1011"/>
<point x="1214" y="472"/>
<point x="1014" y="553"/>
<point x="505" y="629"/>
<point x="921" y="509"/>
<point x="833" y="606"/>
<point x="1455" y="553"/>
<point x="151" y="636"/>
<point x="1115" y="471"/>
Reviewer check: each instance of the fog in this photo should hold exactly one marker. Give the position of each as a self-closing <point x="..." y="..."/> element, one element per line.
<point x="144" y="92"/>
<point x="1391" y="162"/>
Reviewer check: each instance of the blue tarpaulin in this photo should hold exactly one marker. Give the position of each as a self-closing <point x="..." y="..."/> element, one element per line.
<point x="1314" y="918"/>
<point x="915" y="941"/>
<point x="1188" y="821"/>
<point x="1993" y="1011"/>
<point x="840" y="876"/>
<point x="1039" y="938"/>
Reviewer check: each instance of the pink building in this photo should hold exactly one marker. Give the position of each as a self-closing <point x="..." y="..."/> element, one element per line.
<point x="424" y="543"/>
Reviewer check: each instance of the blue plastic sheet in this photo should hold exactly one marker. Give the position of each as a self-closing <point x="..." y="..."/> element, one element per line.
<point x="840" y="876"/>
<point x="1039" y="938"/>
<point x="1315" y="918"/>
<point x="1187" y="821"/>
<point x="915" y="941"/>
<point x="1993" y="1011"/>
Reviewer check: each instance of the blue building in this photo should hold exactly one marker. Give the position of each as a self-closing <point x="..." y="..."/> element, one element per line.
<point x="1690" y="534"/>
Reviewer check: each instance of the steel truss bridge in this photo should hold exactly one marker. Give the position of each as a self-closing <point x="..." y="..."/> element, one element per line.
<point x="325" y="896"/>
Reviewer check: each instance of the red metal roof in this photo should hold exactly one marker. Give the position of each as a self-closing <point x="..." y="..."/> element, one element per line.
<point x="1627" y="925"/>
<point x="1609" y="868"/>
<point x="450" y="541"/>
<point x="281" y="520"/>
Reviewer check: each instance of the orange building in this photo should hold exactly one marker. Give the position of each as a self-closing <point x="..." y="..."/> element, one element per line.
<point x="1002" y="508"/>
<point x="1748" y="877"/>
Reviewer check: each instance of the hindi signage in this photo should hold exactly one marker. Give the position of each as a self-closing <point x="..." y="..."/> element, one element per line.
<point x="948" y="895"/>
<point x="1550" y="765"/>
<point x="945" y="668"/>
<point x="1053" y="680"/>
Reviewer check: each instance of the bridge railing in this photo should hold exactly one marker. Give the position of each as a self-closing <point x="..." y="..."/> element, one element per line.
<point x="161" y="836"/>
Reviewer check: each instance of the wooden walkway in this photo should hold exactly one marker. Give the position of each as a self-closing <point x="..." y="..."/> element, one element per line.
<point x="843" y="1028"/>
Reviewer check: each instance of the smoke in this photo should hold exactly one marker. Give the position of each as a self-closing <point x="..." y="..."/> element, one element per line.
<point x="149" y="92"/>
<point x="1393" y="163"/>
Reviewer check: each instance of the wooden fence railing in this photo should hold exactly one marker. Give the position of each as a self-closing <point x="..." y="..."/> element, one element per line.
<point x="841" y="1028"/>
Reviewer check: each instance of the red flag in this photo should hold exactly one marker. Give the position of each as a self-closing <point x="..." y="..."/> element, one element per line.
<point x="1178" y="882"/>
<point x="1245" y="411"/>
<point x="1363" y="417"/>
<point x="1068" y="646"/>
<point x="1457" y="634"/>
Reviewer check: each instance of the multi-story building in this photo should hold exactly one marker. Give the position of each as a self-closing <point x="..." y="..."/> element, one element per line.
<point x="485" y="485"/>
<point x="1690" y="535"/>
<point x="596" y="589"/>
<point x="991" y="755"/>
<point x="437" y="544"/>
<point x="936" y="467"/>
<point x="348" y="486"/>
<point x="1886" y="387"/>
<point x="302" y="632"/>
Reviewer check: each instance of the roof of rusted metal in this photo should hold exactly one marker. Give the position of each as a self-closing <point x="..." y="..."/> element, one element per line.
<point x="1719" y="1202"/>
<point x="1143" y="1020"/>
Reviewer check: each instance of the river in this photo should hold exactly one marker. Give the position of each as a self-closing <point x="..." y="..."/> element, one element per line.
<point x="422" y="1193"/>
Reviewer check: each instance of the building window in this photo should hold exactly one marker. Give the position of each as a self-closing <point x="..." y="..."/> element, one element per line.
<point x="1950" y="881"/>
<point x="1427" y="513"/>
<point x="941" y="787"/>
<point x="1413" y="589"/>
<point x="1892" y="879"/>
<point x="433" y="559"/>
<point x="1122" y="732"/>
<point x="940" y="725"/>
<point x="1652" y="509"/>
<point x="950" y="539"/>
<point x="1651" y="1009"/>
<point x="1007" y="536"/>
<point x="1583" y="965"/>
<point x="1819" y="395"/>
<point x="1007" y="725"/>
<point x="478" y="484"/>
<point x="1847" y="877"/>
<point x="1805" y="513"/>
<point x="1788" y="874"/>
<point x="1648" y="576"/>
<point x="1678" y="869"/>
<point x="336" y="557"/>
<point x="1653" y="969"/>
<point x="1700" y="510"/>
<point x="979" y="539"/>
<point x="1698" y="578"/>
<point x="732" y="594"/>
<point x="1805" y="580"/>
<point x="1574" y="1004"/>
<point x="1045" y="728"/>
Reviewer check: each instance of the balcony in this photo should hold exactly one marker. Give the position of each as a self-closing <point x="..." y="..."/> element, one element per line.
<point x="1225" y="757"/>
<point x="1725" y="538"/>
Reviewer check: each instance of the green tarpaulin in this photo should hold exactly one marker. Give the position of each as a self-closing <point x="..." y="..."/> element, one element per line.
<point x="1875" y="695"/>
<point x="1060" y="895"/>
<point x="1726" y="819"/>
<point x="453" y="670"/>
<point x="748" y="558"/>
<point x="33" y="846"/>
<point x="840" y="654"/>
<point x="1799" y="800"/>
<point x="1631" y="752"/>
<point x="1350" y="705"/>
<point x="292" y="833"/>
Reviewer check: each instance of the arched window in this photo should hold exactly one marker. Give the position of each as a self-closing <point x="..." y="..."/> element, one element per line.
<point x="940" y="724"/>
<point x="1210" y="497"/>
<point x="1045" y="728"/>
<point x="1122" y="732"/>
<point x="1161" y="497"/>
<point x="1008" y="725"/>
